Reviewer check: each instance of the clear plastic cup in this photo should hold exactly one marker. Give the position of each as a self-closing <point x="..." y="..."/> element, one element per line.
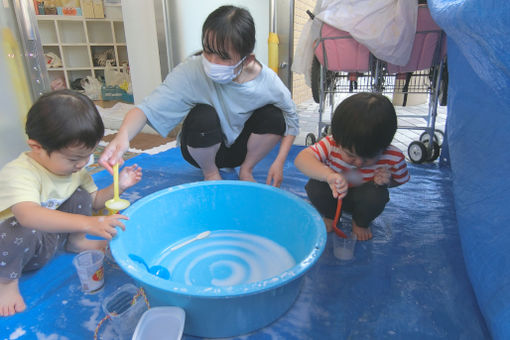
<point x="343" y="248"/>
<point x="89" y="265"/>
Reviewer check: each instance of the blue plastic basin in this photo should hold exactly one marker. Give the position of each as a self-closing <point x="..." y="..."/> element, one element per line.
<point x="249" y="223"/>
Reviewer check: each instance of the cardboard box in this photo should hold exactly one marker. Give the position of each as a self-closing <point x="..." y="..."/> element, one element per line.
<point x="87" y="8"/>
<point x="98" y="9"/>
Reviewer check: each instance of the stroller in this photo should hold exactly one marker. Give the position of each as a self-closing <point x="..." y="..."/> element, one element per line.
<point x="343" y="65"/>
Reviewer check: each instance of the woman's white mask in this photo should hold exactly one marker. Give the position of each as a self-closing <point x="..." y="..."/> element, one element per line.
<point x="221" y="73"/>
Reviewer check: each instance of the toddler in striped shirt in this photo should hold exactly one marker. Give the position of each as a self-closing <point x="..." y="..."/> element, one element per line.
<point x="357" y="163"/>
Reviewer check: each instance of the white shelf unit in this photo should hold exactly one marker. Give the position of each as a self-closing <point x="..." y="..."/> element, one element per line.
<point x="77" y="40"/>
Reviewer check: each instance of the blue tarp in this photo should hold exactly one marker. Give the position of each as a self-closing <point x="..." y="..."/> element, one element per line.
<point x="478" y="132"/>
<point x="409" y="282"/>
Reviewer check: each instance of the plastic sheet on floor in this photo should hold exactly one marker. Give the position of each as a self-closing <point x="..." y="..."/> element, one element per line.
<point x="409" y="282"/>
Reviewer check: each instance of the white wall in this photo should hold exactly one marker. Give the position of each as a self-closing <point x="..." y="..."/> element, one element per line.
<point x="186" y="20"/>
<point x="142" y="47"/>
<point x="188" y="16"/>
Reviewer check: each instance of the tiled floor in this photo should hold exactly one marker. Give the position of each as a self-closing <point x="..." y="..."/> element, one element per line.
<point x="412" y="119"/>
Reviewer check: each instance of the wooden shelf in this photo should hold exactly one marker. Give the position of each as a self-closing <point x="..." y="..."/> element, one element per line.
<point x="77" y="41"/>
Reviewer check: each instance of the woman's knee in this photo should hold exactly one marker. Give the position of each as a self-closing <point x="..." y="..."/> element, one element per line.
<point x="201" y="117"/>
<point x="268" y="120"/>
<point x="202" y="127"/>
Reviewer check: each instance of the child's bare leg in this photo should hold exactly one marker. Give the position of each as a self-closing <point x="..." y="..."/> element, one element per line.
<point x="11" y="301"/>
<point x="362" y="234"/>
<point x="329" y="224"/>
<point x="77" y="242"/>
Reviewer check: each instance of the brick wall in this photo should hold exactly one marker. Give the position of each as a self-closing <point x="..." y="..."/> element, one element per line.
<point x="300" y="91"/>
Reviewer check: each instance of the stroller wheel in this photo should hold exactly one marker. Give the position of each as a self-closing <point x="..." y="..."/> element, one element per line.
<point x="326" y="130"/>
<point x="417" y="152"/>
<point x="316" y="80"/>
<point x="438" y="137"/>
<point x="310" y="139"/>
<point x="434" y="153"/>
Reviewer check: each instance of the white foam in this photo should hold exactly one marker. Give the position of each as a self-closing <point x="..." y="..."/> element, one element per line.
<point x="238" y="257"/>
<point x="17" y="333"/>
<point x="117" y="205"/>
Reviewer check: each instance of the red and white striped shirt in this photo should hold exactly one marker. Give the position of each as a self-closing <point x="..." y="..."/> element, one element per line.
<point x="327" y="151"/>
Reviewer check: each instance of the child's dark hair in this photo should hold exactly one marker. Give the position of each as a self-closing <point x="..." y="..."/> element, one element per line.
<point x="365" y="124"/>
<point x="229" y="26"/>
<point x="64" y="118"/>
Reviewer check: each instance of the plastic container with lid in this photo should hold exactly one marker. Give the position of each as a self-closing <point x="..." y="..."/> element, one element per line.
<point x="161" y="323"/>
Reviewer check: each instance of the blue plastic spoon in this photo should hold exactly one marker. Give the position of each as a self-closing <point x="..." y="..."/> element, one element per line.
<point x="159" y="271"/>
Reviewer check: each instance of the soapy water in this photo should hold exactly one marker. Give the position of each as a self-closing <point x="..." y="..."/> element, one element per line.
<point x="343" y="249"/>
<point x="344" y="254"/>
<point x="226" y="258"/>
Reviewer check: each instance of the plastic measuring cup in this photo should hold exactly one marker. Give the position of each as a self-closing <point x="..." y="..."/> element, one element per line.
<point x="89" y="265"/>
<point x="343" y="248"/>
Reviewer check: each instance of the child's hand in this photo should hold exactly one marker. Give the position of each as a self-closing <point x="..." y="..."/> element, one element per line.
<point x="104" y="226"/>
<point x="382" y="176"/>
<point x="129" y="176"/>
<point x="338" y="184"/>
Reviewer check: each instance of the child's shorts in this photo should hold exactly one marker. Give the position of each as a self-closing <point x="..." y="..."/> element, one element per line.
<point x="24" y="249"/>
<point x="364" y="202"/>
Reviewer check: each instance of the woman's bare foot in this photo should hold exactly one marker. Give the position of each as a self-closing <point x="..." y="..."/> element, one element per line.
<point x="329" y="224"/>
<point x="11" y="301"/>
<point x="213" y="176"/>
<point x="78" y="242"/>
<point x="362" y="234"/>
<point x="246" y="175"/>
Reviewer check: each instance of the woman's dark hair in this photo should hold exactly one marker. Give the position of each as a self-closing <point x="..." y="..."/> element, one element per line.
<point x="64" y="118"/>
<point x="365" y="124"/>
<point x="229" y="26"/>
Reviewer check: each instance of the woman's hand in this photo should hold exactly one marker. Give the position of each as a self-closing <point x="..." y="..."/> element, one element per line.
<point x="113" y="152"/>
<point x="132" y="124"/>
<point x="275" y="174"/>
<point x="338" y="184"/>
<point x="382" y="176"/>
<point x="129" y="176"/>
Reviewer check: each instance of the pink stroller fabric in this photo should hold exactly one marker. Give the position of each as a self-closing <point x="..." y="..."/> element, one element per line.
<point x="338" y="51"/>
<point x="343" y="53"/>
<point x="429" y="37"/>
